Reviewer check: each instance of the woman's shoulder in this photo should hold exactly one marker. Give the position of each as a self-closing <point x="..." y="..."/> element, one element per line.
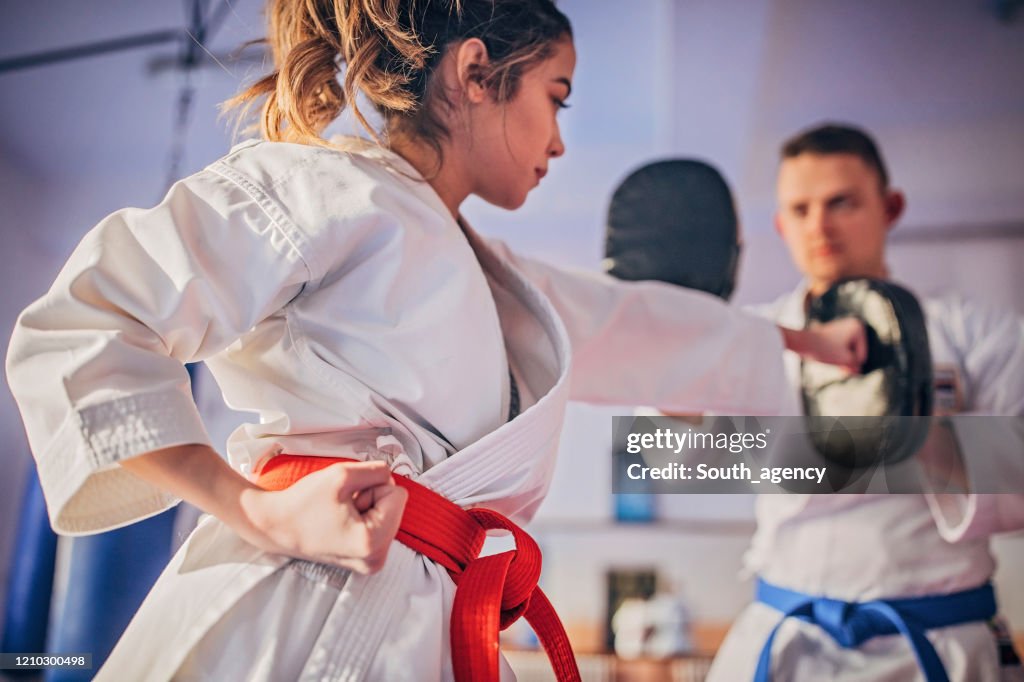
<point x="330" y="199"/>
<point x="271" y="167"/>
<point x="350" y="177"/>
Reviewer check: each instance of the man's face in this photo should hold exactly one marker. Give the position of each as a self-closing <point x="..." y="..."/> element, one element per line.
<point x="834" y="216"/>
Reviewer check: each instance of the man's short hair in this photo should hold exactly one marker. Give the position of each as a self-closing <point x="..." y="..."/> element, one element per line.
<point x="833" y="138"/>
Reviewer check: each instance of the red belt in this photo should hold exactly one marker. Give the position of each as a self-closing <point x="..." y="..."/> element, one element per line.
<point x="494" y="591"/>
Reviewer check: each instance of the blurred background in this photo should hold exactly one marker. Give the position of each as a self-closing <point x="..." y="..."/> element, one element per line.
<point x="940" y="83"/>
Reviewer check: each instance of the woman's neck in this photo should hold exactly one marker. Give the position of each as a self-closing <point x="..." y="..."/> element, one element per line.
<point x="445" y="174"/>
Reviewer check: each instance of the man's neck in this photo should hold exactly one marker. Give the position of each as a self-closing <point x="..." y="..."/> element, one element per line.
<point x="818" y="287"/>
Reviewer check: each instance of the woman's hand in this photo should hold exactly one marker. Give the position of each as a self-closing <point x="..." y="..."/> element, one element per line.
<point x="345" y="515"/>
<point x="842" y="342"/>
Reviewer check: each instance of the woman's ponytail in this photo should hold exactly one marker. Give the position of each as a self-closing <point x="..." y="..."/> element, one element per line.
<point x="388" y="50"/>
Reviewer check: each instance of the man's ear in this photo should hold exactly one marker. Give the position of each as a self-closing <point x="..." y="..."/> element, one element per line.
<point x="471" y="60"/>
<point x="895" y="204"/>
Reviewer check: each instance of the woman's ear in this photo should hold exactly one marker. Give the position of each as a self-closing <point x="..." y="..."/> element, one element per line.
<point x="471" y="61"/>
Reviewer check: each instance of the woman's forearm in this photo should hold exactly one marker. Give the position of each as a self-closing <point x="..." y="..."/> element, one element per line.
<point x="805" y="342"/>
<point x="795" y="340"/>
<point x="198" y="475"/>
<point x="841" y="342"/>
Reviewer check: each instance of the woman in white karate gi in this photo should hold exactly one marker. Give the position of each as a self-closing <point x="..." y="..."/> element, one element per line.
<point x="334" y="290"/>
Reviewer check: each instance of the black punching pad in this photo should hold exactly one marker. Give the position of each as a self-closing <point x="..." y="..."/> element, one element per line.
<point x="674" y="221"/>
<point x="895" y="381"/>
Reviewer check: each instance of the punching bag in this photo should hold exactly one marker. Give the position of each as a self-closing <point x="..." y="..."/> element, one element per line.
<point x="30" y="582"/>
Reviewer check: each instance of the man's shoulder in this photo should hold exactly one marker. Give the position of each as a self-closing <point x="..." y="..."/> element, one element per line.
<point x="968" y="319"/>
<point x="787" y="308"/>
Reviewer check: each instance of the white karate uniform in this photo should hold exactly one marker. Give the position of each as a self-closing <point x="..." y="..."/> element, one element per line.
<point x="864" y="547"/>
<point x="333" y="294"/>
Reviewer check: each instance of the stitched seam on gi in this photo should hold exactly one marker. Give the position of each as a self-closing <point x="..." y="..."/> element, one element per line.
<point x="274" y="212"/>
<point x="128" y="426"/>
<point x="82" y="458"/>
<point x="332" y="576"/>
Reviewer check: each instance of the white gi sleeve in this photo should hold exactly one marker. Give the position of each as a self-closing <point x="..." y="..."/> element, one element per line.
<point x="96" y="364"/>
<point x="991" y="435"/>
<point x="651" y="343"/>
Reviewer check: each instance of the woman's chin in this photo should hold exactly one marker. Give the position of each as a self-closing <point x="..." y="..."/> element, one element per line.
<point x="509" y="201"/>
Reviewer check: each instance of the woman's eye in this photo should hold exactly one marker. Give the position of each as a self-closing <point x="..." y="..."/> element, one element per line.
<point x="560" y="103"/>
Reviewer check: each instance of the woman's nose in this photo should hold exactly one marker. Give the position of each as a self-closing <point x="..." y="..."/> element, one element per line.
<point x="557" y="147"/>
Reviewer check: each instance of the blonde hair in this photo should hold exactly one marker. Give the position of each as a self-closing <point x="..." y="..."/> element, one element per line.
<point x="389" y="49"/>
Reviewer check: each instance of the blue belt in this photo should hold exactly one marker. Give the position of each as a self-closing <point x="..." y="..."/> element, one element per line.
<point x="851" y="623"/>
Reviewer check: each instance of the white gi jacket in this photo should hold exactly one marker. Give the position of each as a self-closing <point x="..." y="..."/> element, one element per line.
<point x="864" y="547"/>
<point x="334" y="295"/>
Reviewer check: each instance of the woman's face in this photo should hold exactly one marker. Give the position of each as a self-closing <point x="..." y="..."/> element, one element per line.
<point x="513" y="142"/>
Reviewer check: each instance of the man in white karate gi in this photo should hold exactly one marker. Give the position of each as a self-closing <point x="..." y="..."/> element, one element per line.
<point x="835" y="211"/>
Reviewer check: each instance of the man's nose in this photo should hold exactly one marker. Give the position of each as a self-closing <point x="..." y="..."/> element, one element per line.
<point x="819" y="222"/>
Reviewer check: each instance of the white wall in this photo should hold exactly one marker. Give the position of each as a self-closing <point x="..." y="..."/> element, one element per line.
<point x="939" y="83"/>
